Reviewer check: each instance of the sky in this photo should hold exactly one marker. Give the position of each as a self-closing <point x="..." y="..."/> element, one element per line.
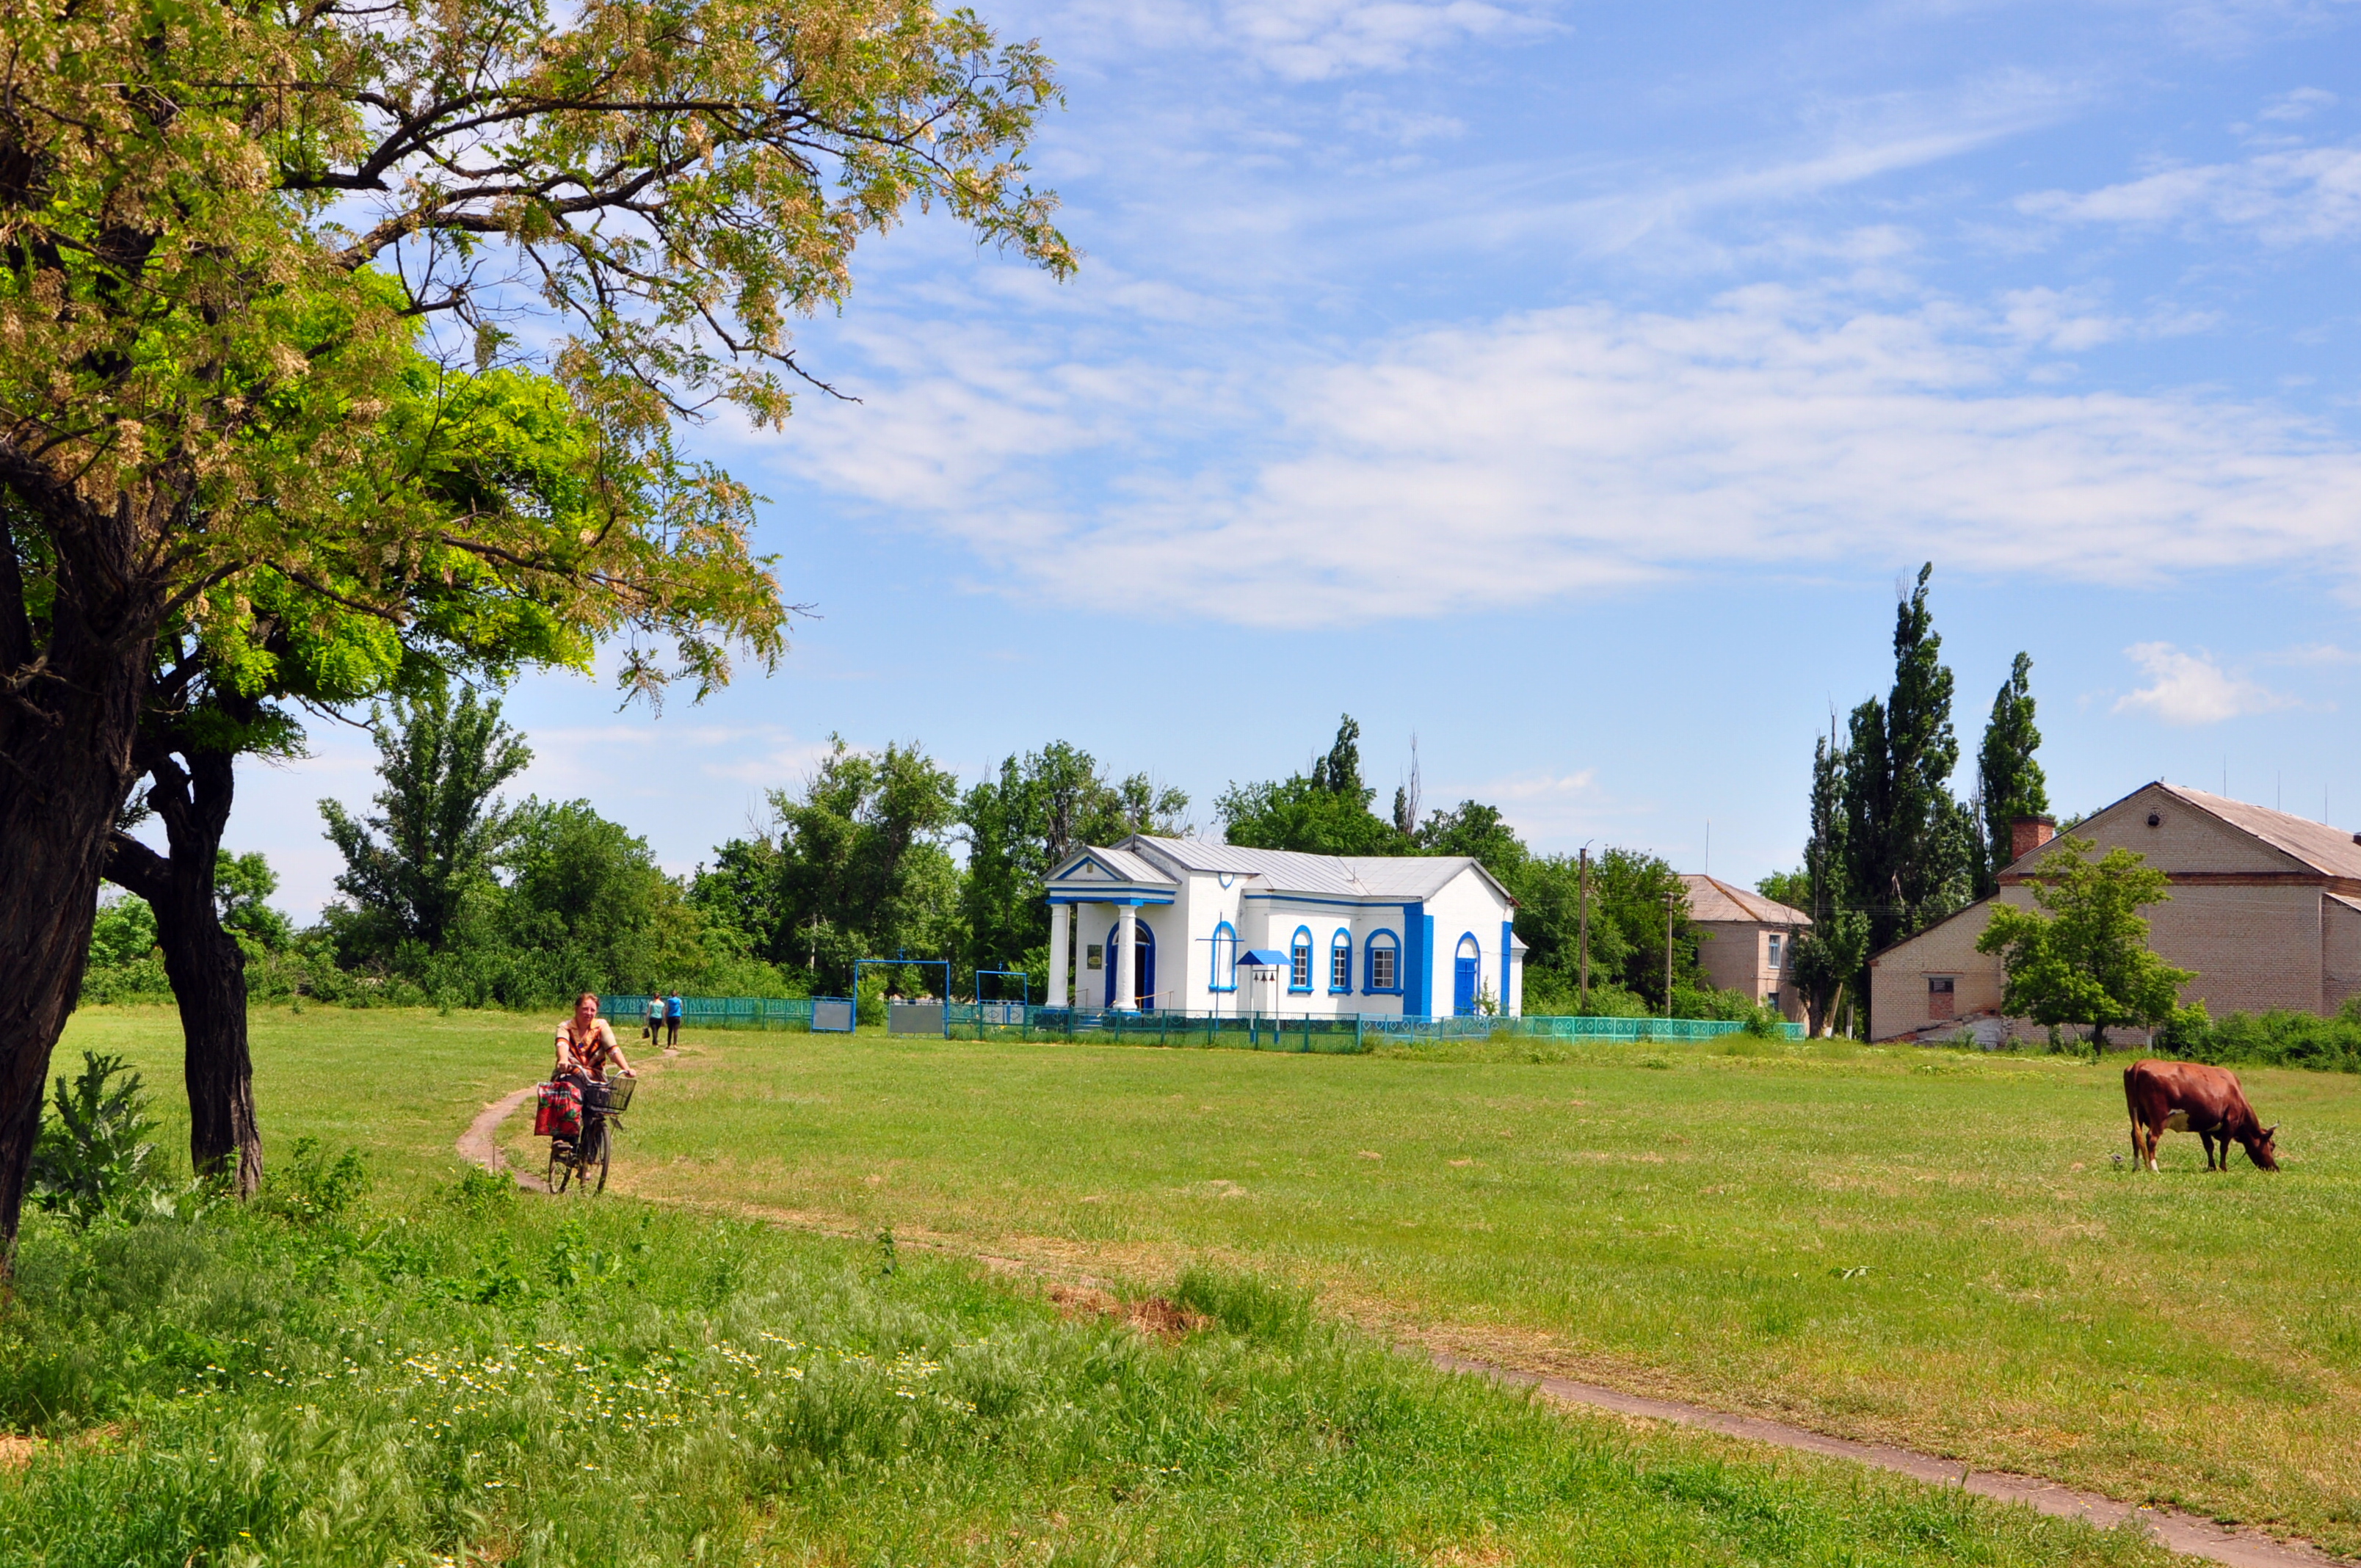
<point x="1571" y="389"/>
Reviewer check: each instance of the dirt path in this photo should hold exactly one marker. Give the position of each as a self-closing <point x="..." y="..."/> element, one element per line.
<point x="480" y="1144"/>
<point x="2178" y="1531"/>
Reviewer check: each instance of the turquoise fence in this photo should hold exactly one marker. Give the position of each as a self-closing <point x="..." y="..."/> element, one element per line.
<point x="1352" y="1033"/>
<point x="718" y="1012"/>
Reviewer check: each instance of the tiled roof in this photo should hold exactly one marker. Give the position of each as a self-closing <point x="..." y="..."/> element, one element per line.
<point x="2330" y="850"/>
<point x="1711" y="899"/>
<point x="1336" y="876"/>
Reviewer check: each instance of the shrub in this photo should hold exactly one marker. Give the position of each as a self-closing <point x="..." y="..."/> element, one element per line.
<point x="2277" y="1038"/>
<point x="93" y="1157"/>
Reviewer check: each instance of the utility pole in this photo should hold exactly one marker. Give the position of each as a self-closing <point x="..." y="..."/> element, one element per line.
<point x="1581" y="904"/>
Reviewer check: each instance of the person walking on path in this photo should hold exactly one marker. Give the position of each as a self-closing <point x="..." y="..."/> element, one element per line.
<point x="655" y="1020"/>
<point x="672" y="1020"/>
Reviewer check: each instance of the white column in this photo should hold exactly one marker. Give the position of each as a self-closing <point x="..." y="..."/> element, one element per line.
<point x="1061" y="920"/>
<point x="1127" y="974"/>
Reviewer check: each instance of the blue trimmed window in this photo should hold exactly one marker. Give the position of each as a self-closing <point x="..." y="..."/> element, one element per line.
<point x="1226" y="958"/>
<point x="1298" y="960"/>
<point x="1340" y="964"/>
<point x="1381" y="963"/>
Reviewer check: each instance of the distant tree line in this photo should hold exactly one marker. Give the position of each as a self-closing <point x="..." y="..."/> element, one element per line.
<point x="452" y="894"/>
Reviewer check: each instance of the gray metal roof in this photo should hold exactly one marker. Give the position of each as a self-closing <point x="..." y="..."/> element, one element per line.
<point x="1333" y="876"/>
<point x="1123" y="865"/>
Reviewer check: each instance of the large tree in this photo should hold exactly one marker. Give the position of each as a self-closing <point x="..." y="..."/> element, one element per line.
<point x="2009" y="783"/>
<point x="440" y="827"/>
<point x="1827" y="958"/>
<point x="1019" y="825"/>
<point x="218" y="226"/>
<point x="2080" y="955"/>
<point x="1323" y="812"/>
<point x="858" y="866"/>
<point x="1910" y="847"/>
<point x="231" y="677"/>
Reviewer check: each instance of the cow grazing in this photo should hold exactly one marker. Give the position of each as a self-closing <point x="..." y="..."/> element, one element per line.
<point x="2187" y="1096"/>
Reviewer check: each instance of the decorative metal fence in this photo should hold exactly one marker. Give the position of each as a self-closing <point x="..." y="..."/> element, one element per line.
<point x="719" y="1012"/>
<point x="1344" y="1035"/>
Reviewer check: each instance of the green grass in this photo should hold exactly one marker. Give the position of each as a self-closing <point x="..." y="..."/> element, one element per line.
<point x="1930" y="1247"/>
<point x="432" y="1374"/>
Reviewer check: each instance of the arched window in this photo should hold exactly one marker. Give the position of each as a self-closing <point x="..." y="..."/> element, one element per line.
<point x="1226" y="958"/>
<point x="1340" y="963"/>
<point x="1298" y="966"/>
<point x="1383" y="972"/>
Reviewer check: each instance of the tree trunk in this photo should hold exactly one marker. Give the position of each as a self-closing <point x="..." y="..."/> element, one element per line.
<point x="69" y="711"/>
<point x="205" y="964"/>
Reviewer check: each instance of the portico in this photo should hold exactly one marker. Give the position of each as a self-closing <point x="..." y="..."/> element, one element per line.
<point x="1109" y="891"/>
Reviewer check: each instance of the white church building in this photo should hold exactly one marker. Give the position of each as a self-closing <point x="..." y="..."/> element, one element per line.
<point x="1181" y="924"/>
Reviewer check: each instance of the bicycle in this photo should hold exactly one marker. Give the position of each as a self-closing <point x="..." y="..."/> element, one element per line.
<point x="572" y="1160"/>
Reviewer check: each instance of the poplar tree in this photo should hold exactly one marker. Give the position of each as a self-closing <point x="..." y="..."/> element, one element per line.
<point x="2009" y="784"/>
<point x="1827" y="958"/>
<point x="1910" y="846"/>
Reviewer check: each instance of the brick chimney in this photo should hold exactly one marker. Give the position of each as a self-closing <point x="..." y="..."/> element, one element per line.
<point x="2026" y="834"/>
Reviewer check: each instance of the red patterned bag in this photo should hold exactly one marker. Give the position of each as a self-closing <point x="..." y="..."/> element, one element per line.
<point x="560" y="1112"/>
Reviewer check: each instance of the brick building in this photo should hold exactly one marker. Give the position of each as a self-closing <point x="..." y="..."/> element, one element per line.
<point x="1750" y="941"/>
<point x="2266" y="907"/>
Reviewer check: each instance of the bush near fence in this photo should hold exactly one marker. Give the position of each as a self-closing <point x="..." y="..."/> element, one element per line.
<point x="1343" y="1035"/>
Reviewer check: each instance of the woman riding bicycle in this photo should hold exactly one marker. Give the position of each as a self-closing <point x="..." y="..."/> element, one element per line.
<point x="587" y="1044"/>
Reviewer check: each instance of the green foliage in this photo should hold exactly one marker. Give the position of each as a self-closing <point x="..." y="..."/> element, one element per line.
<point x="94" y="1157"/>
<point x="313" y="1188"/>
<point x="858" y="867"/>
<point x="1020" y="827"/>
<point x="410" y="869"/>
<point x="1910" y="848"/>
<point x="1793" y="888"/>
<point x="241" y="883"/>
<point x="2009" y="783"/>
<point x="1324" y="812"/>
<point x="2081" y="956"/>
<point x="2277" y="1038"/>
<point x="1479" y="832"/>
<point x="125" y="964"/>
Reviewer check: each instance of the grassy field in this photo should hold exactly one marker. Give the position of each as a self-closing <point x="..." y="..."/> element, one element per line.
<point x="1927" y="1247"/>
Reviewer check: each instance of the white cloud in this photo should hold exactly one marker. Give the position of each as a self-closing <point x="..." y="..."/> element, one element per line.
<point x="2283" y="198"/>
<point x="2191" y="688"/>
<point x="1301" y="40"/>
<point x="1555" y="451"/>
<point x="2300" y="104"/>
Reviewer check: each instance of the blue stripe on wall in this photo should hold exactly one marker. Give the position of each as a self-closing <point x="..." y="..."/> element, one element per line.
<point x="1508" y="956"/>
<point x="1417" y="960"/>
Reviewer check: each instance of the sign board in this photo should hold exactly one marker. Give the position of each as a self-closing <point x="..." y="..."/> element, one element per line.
<point x="831" y="1015"/>
<point x="914" y="1018"/>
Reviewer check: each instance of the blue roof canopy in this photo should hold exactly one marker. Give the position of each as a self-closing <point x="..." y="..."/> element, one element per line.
<point x="1264" y="957"/>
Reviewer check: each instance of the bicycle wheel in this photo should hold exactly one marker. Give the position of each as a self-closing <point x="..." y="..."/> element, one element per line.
<point x="606" y="1149"/>
<point x="561" y="1165"/>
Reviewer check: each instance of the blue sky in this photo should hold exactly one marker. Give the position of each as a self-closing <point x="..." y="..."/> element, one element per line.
<point x="1571" y="387"/>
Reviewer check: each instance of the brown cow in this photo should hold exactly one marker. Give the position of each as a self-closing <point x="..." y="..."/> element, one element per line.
<point x="2187" y="1096"/>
